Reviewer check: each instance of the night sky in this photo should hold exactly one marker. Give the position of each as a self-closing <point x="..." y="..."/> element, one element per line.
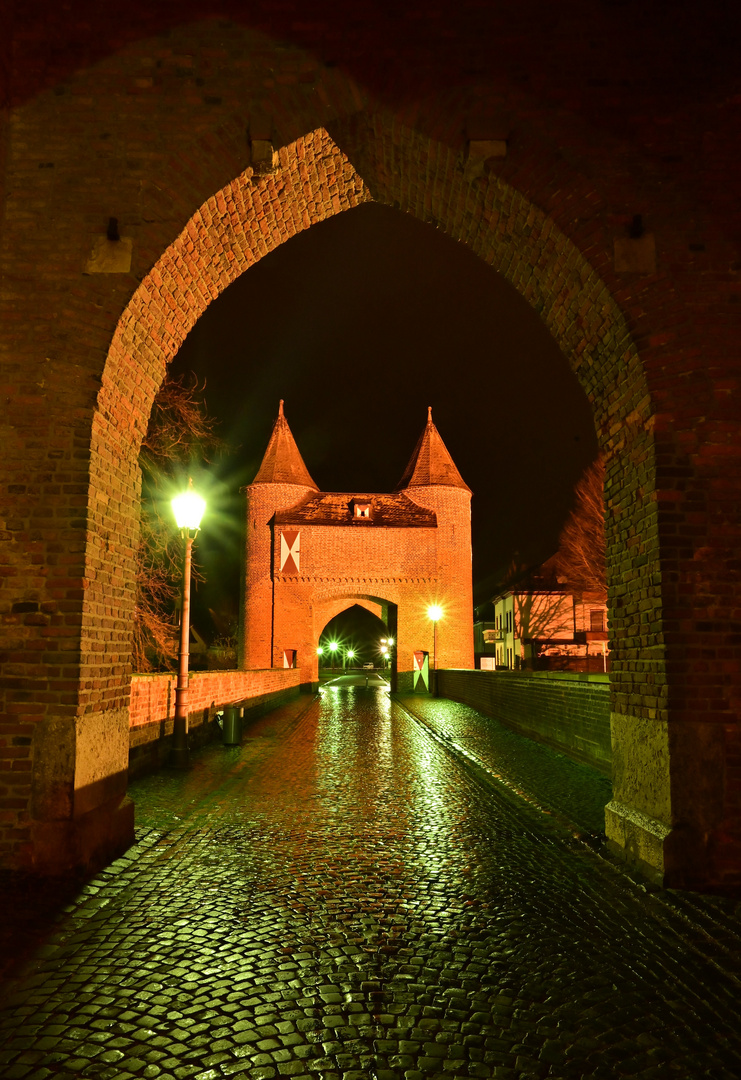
<point x="360" y="323"/>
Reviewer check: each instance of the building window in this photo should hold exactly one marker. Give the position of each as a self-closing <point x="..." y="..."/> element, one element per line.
<point x="362" y="510"/>
<point x="596" y="620"/>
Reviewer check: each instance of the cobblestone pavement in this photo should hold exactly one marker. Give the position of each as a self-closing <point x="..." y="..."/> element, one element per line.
<point x="343" y="898"/>
<point x="575" y="793"/>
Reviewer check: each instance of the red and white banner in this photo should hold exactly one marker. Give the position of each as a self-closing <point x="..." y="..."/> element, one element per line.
<point x="290" y="552"/>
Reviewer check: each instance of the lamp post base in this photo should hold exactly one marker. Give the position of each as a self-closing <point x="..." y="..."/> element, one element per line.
<point x="180" y="751"/>
<point x="180" y="757"/>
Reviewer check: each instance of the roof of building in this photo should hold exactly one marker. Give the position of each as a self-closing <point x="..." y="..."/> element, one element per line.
<point x="338" y="508"/>
<point x="431" y="463"/>
<point x="282" y="462"/>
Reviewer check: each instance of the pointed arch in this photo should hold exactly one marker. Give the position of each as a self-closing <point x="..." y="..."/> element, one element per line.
<point x="325" y="612"/>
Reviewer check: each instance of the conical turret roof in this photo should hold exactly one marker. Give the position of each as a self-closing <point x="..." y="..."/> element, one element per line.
<point x="431" y="463"/>
<point x="282" y="462"/>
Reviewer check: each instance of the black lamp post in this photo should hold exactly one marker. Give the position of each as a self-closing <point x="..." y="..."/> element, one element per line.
<point x="188" y="509"/>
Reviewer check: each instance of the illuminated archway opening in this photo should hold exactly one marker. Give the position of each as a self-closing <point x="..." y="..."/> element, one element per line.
<point x="359" y="636"/>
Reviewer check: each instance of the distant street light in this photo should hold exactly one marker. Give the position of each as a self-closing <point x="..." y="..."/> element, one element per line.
<point x="434" y="613"/>
<point x="188" y="509"/>
<point x="349" y="655"/>
<point x="333" y="647"/>
<point x="386" y="646"/>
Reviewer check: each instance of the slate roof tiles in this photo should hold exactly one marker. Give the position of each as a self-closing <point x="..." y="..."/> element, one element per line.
<point x="337" y="508"/>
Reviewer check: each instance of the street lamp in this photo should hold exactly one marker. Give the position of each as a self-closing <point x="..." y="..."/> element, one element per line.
<point x="188" y="510"/>
<point x="333" y="647"/>
<point x="434" y="613"/>
<point x="386" y="647"/>
<point x="349" y="655"/>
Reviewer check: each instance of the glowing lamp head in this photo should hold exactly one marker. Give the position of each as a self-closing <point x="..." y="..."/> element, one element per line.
<point x="333" y="646"/>
<point x="434" y="612"/>
<point x="320" y="651"/>
<point x="350" y="654"/>
<point x="188" y="509"/>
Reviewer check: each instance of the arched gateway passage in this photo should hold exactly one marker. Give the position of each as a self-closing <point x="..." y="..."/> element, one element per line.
<point x="379" y="618"/>
<point x="660" y="819"/>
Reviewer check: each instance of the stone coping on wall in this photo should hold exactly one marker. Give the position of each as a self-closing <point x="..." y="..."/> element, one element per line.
<point x="565" y="676"/>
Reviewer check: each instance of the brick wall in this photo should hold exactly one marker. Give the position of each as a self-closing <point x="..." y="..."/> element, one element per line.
<point x="152" y="706"/>
<point x="387" y="566"/>
<point x="567" y="711"/>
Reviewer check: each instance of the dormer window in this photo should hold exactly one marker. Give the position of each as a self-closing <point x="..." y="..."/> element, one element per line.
<point x="362" y="509"/>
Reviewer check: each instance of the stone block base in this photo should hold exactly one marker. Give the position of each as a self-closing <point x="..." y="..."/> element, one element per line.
<point x="83" y="844"/>
<point x="637" y="839"/>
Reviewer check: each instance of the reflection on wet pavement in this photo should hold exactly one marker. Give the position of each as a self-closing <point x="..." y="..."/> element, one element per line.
<point x="337" y="898"/>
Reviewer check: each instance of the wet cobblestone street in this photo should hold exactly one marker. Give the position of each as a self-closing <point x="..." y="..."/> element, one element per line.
<point x="341" y="897"/>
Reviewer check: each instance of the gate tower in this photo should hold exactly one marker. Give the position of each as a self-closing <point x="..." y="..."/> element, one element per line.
<point x="310" y="554"/>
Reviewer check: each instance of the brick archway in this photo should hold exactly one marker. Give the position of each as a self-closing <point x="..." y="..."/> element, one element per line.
<point x="325" y="612"/>
<point x="313" y="179"/>
<point x="150" y="116"/>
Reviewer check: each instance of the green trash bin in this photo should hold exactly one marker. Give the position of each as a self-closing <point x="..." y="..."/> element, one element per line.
<point x="232" y="726"/>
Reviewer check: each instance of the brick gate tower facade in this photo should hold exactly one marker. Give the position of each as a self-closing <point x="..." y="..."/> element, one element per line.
<point x="311" y="554"/>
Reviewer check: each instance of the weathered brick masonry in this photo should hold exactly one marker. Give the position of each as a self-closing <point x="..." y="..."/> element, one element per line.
<point x="534" y="133"/>
<point x="569" y="712"/>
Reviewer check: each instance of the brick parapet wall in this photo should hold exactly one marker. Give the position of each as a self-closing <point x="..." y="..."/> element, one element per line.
<point x="153" y="706"/>
<point x="153" y="696"/>
<point x="568" y="712"/>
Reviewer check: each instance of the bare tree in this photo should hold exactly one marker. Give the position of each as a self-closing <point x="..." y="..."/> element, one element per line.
<point x="543" y="613"/>
<point x="581" y="558"/>
<point x="180" y="435"/>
